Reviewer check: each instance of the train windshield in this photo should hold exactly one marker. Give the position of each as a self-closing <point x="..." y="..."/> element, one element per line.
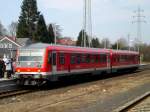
<point x="30" y="58"/>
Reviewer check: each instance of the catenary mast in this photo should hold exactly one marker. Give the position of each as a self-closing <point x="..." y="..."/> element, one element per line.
<point x="87" y="23"/>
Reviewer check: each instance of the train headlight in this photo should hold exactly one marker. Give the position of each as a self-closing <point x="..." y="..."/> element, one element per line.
<point x="18" y="70"/>
<point x="39" y="70"/>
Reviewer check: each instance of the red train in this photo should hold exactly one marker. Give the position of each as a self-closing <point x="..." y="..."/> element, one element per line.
<point x="39" y="62"/>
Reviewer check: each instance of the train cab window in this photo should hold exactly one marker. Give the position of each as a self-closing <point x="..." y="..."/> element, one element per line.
<point x="62" y="59"/>
<point x="49" y="58"/>
<point x="73" y="59"/>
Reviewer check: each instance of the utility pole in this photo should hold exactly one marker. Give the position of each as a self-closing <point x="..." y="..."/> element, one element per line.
<point x="117" y="44"/>
<point x="139" y="20"/>
<point x="129" y="42"/>
<point x="87" y="23"/>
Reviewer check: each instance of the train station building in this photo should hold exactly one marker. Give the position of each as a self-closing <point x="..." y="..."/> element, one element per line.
<point x="9" y="46"/>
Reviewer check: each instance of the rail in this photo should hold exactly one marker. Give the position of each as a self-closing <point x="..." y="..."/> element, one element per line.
<point x="132" y="103"/>
<point x="10" y="93"/>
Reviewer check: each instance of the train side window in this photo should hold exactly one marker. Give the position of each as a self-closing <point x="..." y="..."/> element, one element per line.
<point x="118" y="58"/>
<point x="62" y="59"/>
<point x="73" y="59"/>
<point x="92" y="58"/>
<point x="103" y="58"/>
<point x="83" y="58"/>
<point x="97" y="58"/>
<point x="122" y="58"/>
<point x="78" y="58"/>
<point x="88" y="58"/>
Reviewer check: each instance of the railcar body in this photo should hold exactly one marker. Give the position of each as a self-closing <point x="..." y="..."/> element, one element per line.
<point x="124" y="60"/>
<point x="38" y="63"/>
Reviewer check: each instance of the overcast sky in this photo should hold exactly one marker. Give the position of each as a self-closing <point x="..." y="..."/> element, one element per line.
<point x="111" y="18"/>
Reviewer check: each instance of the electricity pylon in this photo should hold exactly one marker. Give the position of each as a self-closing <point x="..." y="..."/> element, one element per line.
<point x="139" y="20"/>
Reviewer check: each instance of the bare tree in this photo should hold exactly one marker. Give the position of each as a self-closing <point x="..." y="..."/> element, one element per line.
<point x="3" y="31"/>
<point x="12" y="28"/>
<point x="105" y="43"/>
<point x="121" y="43"/>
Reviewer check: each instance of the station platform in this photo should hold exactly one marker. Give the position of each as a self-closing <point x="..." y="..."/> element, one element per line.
<point x="2" y="80"/>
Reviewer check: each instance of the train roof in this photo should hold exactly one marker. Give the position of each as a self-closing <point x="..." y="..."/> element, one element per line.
<point x="63" y="47"/>
<point x="36" y="46"/>
<point x="124" y="52"/>
<point x="75" y="48"/>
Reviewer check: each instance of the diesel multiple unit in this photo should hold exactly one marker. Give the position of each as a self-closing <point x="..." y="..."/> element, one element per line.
<point x="39" y="62"/>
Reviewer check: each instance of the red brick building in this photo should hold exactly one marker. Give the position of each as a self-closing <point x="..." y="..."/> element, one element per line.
<point x="66" y="41"/>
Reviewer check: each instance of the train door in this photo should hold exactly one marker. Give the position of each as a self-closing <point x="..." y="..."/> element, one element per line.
<point x="108" y="61"/>
<point x="54" y="62"/>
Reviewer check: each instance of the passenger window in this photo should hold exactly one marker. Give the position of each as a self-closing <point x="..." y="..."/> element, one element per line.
<point x="92" y="59"/>
<point x="62" y="59"/>
<point x="88" y="58"/>
<point x="118" y="58"/>
<point x="103" y="58"/>
<point x="73" y="59"/>
<point x="78" y="59"/>
<point x="83" y="58"/>
<point x="96" y="58"/>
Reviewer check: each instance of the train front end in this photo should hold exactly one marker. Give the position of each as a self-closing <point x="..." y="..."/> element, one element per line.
<point x="30" y="67"/>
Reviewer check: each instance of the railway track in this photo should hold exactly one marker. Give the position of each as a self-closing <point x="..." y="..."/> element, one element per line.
<point x="20" y="91"/>
<point x="10" y="93"/>
<point x="123" y="108"/>
<point x="133" y="103"/>
<point x="63" y="88"/>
